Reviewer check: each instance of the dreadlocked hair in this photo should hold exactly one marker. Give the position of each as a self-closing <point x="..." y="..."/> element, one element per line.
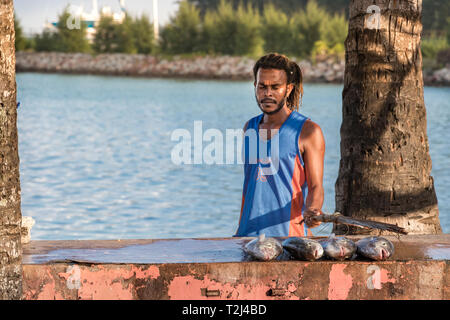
<point x="293" y="72"/>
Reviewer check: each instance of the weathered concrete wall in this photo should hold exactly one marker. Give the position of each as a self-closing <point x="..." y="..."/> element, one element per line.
<point x="291" y="280"/>
<point x="56" y="270"/>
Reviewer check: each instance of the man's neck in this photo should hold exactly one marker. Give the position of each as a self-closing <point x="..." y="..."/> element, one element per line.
<point x="278" y="118"/>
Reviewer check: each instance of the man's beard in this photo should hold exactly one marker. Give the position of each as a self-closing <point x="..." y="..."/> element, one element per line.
<point x="280" y="105"/>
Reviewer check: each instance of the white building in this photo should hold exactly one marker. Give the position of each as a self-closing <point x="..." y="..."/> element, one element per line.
<point x="90" y="19"/>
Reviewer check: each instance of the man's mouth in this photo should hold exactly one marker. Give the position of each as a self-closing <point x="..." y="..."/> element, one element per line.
<point x="268" y="101"/>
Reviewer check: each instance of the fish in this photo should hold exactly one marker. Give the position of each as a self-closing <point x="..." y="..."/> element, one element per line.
<point x="375" y="248"/>
<point x="338" y="248"/>
<point x="303" y="248"/>
<point x="338" y="218"/>
<point x="264" y="249"/>
<point x="285" y="256"/>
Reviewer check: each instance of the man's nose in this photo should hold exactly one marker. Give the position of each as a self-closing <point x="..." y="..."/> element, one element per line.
<point x="268" y="92"/>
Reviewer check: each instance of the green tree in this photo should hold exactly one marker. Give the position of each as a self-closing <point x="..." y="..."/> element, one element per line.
<point x="334" y="30"/>
<point x="71" y="34"/>
<point x="275" y="30"/>
<point x="223" y="29"/>
<point x="448" y="30"/>
<point x="114" y="37"/>
<point x="105" y="36"/>
<point x="235" y="32"/>
<point x="142" y="31"/>
<point x="434" y="15"/>
<point x="47" y="41"/>
<point x="287" y="6"/>
<point x="207" y="33"/>
<point x="312" y="21"/>
<point x="333" y="34"/>
<point x="21" y="42"/>
<point x="306" y="28"/>
<point x="125" y="38"/>
<point x="182" y="34"/>
<point x="431" y="46"/>
<point x="248" y="38"/>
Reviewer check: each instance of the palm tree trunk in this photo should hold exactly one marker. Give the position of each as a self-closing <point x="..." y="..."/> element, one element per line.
<point x="10" y="215"/>
<point x="385" y="166"/>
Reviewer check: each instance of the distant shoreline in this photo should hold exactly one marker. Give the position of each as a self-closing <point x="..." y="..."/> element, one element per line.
<point x="138" y="65"/>
<point x="201" y="68"/>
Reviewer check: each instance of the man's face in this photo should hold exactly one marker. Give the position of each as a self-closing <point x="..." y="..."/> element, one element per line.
<point x="271" y="90"/>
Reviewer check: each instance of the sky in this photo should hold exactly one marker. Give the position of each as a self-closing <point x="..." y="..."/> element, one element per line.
<point x="33" y="14"/>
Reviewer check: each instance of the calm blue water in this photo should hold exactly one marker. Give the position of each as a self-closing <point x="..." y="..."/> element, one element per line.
<point x="96" y="163"/>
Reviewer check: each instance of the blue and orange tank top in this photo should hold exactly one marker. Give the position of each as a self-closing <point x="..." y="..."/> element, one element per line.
<point x="275" y="186"/>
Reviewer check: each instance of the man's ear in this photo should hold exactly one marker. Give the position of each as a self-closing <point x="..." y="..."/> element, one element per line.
<point x="290" y="87"/>
<point x="254" y="83"/>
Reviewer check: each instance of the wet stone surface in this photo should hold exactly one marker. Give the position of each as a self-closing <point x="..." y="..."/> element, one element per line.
<point x="199" y="250"/>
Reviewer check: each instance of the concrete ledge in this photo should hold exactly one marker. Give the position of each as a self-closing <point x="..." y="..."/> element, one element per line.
<point x="209" y="269"/>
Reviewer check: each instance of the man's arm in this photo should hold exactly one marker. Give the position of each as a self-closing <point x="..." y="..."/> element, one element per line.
<point x="313" y="157"/>
<point x="242" y="204"/>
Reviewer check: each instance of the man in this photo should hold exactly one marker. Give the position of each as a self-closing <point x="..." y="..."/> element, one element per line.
<point x="281" y="202"/>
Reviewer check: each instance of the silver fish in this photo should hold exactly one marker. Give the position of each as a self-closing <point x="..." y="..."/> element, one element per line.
<point x="263" y="248"/>
<point x="303" y="248"/>
<point x="375" y="248"/>
<point x="338" y="248"/>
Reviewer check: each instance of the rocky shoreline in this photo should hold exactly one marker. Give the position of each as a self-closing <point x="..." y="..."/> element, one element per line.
<point x="222" y="67"/>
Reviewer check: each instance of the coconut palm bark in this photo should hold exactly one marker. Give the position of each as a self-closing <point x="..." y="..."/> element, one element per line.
<point x="385" y="165"/>
<point x="10" y="214"/>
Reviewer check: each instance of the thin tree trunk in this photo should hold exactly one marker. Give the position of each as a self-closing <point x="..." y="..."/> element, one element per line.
<point x="10" y="215"/>
<point x="385" y="163"/>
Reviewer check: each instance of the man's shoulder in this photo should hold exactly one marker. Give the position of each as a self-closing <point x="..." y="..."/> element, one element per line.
<point x="310" y="126"/>
<point x="249" y="122"/>
<point x="312" y="134"/>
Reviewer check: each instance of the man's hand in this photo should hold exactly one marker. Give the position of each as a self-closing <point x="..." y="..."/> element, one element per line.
<point x="311" y="223"/>
<point x="312" y="146"/>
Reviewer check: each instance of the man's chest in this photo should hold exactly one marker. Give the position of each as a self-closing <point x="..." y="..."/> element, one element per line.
<point x="266" y="133"/>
